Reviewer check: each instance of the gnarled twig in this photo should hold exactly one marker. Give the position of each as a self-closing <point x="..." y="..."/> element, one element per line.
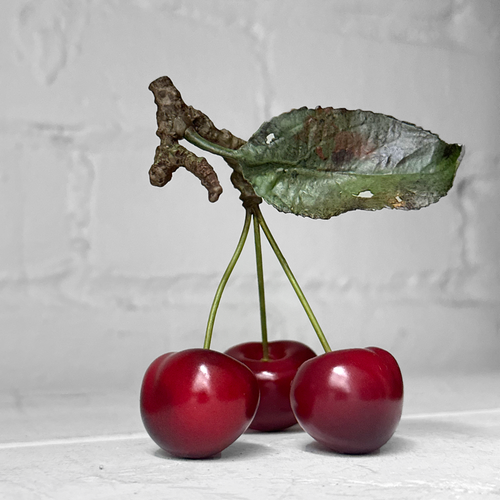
<point x="174" y="116"/>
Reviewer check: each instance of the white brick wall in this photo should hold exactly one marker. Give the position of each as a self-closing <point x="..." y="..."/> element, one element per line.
<point x="100" y="272"/>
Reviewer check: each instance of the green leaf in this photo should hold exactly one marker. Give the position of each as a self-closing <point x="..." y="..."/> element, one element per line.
<point x="323" y="162"/>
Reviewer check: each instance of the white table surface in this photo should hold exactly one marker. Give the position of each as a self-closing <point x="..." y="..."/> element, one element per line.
<point x="447" y="446"/>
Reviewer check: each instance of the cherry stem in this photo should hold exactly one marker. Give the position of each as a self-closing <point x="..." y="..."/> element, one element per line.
<point x="260" y="281"/>
<point x="193" y="137"/>
<point x="225" y="279"/>
<point x="293" y="281"/>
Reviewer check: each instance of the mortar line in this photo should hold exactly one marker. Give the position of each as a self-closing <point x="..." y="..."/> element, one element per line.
<point x="73" y="440"/>
<point x="458" y="413"/>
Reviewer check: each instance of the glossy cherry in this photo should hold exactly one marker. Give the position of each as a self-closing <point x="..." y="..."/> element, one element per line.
<point x="275" y="377"/>
<point x="349" y="400"/>
<point x="195" y="403"/>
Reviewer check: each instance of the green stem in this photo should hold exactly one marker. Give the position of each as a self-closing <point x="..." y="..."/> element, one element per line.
<point x="260" y="281"/>
<point x="293" y="281"/>
<point x="224" y="280"/>
<point x="193" y="137"/>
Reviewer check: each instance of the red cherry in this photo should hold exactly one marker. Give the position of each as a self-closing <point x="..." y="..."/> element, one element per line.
<point x="349" y="400"/>
<point x="195" y="403"/>
<point x="275" y="378"/>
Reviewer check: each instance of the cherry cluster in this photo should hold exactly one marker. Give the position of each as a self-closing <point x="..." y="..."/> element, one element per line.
<point x="195" y="403"/>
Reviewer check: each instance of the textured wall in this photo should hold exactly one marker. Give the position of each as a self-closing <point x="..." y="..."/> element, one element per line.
<point x="100" y="271"/>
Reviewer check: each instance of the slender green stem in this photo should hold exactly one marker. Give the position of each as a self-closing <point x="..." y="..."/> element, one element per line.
<point x="225" y="279"/>
<point x="193" y="137"/>
<point x="293" y="281"/>
<point x="260" y="281"/>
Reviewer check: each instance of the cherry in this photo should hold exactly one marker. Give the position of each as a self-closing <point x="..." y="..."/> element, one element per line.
<point x="195" y="403"/>
<point x="275" y="377"/>
<point x="349" y="400"/>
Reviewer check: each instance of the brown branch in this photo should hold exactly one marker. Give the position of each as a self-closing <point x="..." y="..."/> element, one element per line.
<point x="174" y="116"/>
<point x="169" y="158"/>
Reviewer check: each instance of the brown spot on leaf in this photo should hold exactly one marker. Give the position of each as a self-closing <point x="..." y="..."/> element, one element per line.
<point x="319" y="152"/>
<point x="353" y="142"/>
<point x="341" y="157"/>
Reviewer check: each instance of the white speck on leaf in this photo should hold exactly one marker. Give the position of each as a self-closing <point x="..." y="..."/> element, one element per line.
<point x="364" y="194"/>
<point x="270" y="138"/>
